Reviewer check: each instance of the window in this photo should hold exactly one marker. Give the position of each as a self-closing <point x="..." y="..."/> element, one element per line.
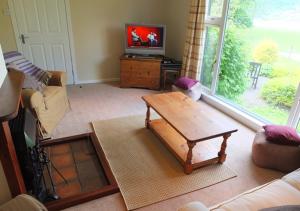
<point x="215" y="22"/>
<point x="294" y="117"/>
<point x="252" y="57"/>
<point x="215" y="8"/>
<point x="209" y="55"/>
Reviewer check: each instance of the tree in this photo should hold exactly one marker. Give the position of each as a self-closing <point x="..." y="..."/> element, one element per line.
<point x="266" y="52"/>
<point x="232" y="77"/>
<point x="241" y="13"/>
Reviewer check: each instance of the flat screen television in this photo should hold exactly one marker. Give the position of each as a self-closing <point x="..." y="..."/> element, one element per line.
<point x="145" y="39"/>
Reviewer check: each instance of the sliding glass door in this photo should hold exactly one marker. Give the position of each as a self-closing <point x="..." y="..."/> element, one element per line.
<point x="254" y="62"/>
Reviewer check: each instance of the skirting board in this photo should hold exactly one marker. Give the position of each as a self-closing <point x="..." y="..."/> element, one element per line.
<point x="97" y="81"/>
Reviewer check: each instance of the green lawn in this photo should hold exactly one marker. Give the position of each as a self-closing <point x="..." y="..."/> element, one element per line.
<point x="270" y="113"/>
<point x="287" y="66"/>
<point x="286" y="40"/>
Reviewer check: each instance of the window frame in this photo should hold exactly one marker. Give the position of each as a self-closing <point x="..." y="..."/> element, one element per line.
<point x="220" y="22"/>
<point x="294" y="116"/>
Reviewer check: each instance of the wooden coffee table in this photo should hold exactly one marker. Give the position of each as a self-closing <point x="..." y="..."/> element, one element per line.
<point x="185" y="124"/>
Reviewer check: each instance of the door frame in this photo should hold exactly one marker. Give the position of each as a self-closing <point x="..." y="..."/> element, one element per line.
<point x="70" y="35"/>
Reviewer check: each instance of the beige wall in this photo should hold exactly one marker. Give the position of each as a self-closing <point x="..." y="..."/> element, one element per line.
<point x="98" y="30"/>
<point x="7" y="37"/>
<point x="176" y="19"/>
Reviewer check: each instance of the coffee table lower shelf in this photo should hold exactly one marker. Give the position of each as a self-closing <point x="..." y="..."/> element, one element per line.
<point x="204" y="153"/>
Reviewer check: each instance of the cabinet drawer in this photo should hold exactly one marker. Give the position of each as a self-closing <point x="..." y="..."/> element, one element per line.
<point x="140" y="73"/>
<point x="145" y="68"/>
<point x="141" y="82"/>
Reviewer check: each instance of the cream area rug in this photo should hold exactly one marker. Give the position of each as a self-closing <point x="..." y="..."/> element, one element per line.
<point x="145" y="170"/>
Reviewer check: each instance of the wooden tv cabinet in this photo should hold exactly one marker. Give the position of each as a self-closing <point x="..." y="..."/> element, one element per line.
<point x="140" y="72"/>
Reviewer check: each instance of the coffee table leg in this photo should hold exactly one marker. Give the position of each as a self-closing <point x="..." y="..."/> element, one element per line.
<point x="188" y="168"/>
<point x="222" y="154"/>
<point x="147" y="121"/>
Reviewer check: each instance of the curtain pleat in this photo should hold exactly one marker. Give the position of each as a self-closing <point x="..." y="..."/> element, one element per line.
<point x="195" y="37"/>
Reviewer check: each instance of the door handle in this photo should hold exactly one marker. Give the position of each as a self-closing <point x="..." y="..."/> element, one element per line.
<point x="23" y="38"/>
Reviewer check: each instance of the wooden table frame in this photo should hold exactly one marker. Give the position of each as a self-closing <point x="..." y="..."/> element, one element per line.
<point x="159" y="128"/>
<point x="10" y="101"/>
<point x="110" y="188"/>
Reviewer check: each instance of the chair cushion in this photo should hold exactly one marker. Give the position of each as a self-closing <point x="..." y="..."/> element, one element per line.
<point x="55" y="106"/>
<point x="281" y="134"/>
<point x="50" y="91"/>
<point x="35" y="77"/>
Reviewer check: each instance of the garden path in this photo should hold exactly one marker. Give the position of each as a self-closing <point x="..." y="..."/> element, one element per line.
<point x="251" y="96"/>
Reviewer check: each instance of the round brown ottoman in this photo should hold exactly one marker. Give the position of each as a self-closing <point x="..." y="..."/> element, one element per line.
<point x="274" y="156"/>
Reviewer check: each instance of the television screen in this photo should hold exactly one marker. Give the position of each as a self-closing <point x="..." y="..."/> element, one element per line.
<point x="145" y="37"/>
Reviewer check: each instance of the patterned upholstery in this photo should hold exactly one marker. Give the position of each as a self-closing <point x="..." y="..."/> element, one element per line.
<point x="35" y="77"/>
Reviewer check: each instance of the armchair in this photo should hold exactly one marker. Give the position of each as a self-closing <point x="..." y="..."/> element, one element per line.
<point x="44" y="92"/>
<point x="50" y="106"/>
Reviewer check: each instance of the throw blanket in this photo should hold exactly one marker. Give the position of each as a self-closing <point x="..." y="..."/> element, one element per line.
<point x="35" y="77"/>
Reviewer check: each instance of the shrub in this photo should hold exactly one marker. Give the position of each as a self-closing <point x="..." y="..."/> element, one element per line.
<point x="279" y="72"/>
<point x="280" y="91"/>
<point x="266" y="70"/>
<point x="232" y="77"/>
<point x="241" y="13"/>
<point x="266" y="52"/>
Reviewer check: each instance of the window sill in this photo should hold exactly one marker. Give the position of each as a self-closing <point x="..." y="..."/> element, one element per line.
<point x="233" y="112"/>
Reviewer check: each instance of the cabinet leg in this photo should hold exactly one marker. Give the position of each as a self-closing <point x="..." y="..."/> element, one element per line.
<point x="147" y="120"/>
<point x="188" y="168"/>
<point x="222" y="154"/>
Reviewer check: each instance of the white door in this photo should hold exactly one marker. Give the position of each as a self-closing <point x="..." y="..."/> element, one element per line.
<point x="42" y="33"/>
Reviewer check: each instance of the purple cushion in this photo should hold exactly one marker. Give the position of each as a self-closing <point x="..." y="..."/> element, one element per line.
<point x="185" y="82"/>
<point x="280" y="134"/>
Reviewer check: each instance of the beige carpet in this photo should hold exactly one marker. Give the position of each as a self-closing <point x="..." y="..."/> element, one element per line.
<point x="145" y="170"/>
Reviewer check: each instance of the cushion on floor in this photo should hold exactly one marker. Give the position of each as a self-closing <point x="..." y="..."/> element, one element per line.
<point x="281" y="134"/>
<point x="266" y="154"/>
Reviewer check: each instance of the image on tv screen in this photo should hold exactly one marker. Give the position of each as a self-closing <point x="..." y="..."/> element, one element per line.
<point x="145" y="36"/>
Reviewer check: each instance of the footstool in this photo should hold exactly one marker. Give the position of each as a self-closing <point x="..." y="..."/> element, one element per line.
<point x="274" y="156"/>
<point x="194" y="92"/>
